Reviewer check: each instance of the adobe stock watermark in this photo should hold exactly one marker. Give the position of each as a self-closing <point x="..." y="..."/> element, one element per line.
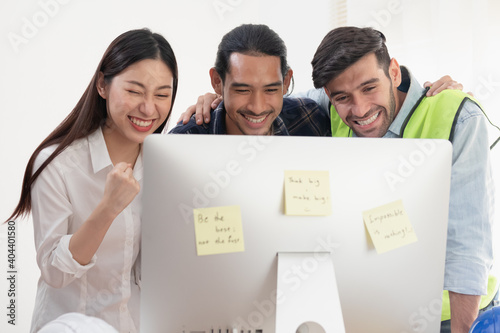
<point x="420" y="319"/>
<point x="383" y="17"/>
<point x="112" y="288"/>
<point x="223" y="7"/>
<point x="487" y="86"/>
<point x="248" y="151"/>
<point x="293" y="277"/>
<point x="31" y="25"/>
<point x="12" y="273"/>
<point x="408" y="164"/>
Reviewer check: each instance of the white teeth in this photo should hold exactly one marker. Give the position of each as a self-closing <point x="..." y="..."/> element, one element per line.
<point x="369" y="120"/>
<point x="140" y="122"/>
<point x="255" y="121"/>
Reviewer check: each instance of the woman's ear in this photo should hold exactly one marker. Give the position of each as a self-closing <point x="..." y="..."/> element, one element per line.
<point x="101" y="85"/>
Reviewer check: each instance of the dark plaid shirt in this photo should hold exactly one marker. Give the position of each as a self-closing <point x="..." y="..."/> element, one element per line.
<point x="298" y="117"/>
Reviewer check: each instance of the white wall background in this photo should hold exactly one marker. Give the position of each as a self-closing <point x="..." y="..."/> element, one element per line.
<point x="50" y="48"/>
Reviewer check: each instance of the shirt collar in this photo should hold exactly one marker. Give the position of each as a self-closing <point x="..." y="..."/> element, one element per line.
<point x="414" y="93"/>
<point x="98" y="151"/>
<point x="100" y="157"/>
<point x="218" y="122"/>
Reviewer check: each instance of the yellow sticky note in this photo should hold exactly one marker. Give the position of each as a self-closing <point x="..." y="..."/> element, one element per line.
<point x="389" y="226"/>
<point x="218" y="230"/>
<point x="307" y="193"/>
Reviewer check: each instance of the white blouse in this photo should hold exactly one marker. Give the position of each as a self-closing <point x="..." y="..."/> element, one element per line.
<point x="63" y="196"/>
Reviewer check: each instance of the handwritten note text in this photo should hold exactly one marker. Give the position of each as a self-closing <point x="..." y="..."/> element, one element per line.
<point x="307" y="193"/>
<point x="218" y="230"/>
<point x="389" y="226"/>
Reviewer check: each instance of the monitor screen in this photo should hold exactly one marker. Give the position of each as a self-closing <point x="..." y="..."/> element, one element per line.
<point x="379" y="290"/>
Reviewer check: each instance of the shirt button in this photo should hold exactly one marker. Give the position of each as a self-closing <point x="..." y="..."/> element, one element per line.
<point x="128" y="242"/>
<point x="123" y="308"/>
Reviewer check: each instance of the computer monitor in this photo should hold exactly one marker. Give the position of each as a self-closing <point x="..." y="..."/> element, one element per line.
<point x="396" y="291"/>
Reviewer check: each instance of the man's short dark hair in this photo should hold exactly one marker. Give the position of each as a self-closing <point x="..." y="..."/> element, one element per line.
<point x="344" y="46"/>
<point x="250" y="39"/>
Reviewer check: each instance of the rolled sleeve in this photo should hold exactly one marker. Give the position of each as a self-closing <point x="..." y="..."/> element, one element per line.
<point x="469" y="254"/>
<point x="52" y="212"/>
<point x="63" y="260"/>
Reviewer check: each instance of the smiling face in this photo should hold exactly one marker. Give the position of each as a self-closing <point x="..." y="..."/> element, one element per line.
<point x="138" y="101"/>
<point x="253" y="92"/>
<point x="365" y="98"/>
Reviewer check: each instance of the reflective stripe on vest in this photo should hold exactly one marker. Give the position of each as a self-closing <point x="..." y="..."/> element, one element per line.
<point x="431" y="118"/>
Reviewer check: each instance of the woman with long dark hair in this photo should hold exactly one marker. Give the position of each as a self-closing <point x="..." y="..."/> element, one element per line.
<point x="82" y="185"/>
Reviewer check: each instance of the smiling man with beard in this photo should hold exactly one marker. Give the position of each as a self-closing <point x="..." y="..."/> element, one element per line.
<point x="353" y="67"/>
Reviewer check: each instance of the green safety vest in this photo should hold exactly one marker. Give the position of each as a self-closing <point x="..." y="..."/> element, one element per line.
<point x="431" y="118"/>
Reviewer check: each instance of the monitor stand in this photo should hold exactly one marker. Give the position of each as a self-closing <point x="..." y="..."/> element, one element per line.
<point x="307" y="298"/>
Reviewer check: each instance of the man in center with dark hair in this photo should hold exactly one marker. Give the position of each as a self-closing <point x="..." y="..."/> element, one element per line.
<point x="353" y="67"/>
<point x="252" y="74"/>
